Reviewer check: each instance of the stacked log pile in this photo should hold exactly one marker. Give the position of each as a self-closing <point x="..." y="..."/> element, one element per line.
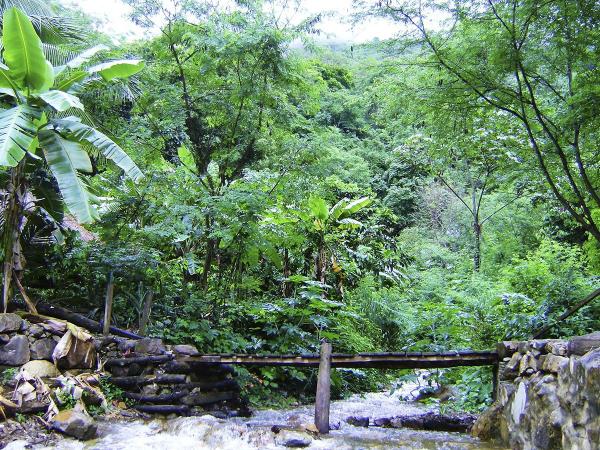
<point x="157" y="380"/>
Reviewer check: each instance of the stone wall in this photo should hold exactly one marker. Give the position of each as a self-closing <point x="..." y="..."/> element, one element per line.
<point x="548" y="395"/>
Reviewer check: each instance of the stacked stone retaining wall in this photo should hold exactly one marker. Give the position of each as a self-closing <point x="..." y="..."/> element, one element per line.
<point x="548" y="395"/>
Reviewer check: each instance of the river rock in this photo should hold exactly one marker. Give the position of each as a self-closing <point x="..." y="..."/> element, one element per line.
<point x="42" y="349"/>
<point x="16" y="352"/>
<point x="41" y="368"/>
<point x="490" y="425"/>
<point x="150" y="346"/>
<point x="74" y="423"/>
<point x="293" y="439"/>
<point x="358" y="421"/>
<point x="10" y="322"/>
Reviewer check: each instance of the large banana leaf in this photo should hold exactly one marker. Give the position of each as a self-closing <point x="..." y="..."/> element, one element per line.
<point x="118" y="69"/>
<point x="336" y="211"/>
<point x="23" y="52"/>
<point x="61" y="101"/>
<point x="318" y="208"/>
<point x="65" y="158"/>
<point x="356" y="205"/>
<point x="84" y="133"/>
<point x="17" y="131"/>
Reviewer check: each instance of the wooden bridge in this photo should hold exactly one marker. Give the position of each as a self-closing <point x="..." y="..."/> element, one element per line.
<point x="406" y="360"/>
<point x="327" y="360"/>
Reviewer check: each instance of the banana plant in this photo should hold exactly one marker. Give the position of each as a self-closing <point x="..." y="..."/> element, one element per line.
<point x="34" y="132"/>
<point x="325" y="219"/>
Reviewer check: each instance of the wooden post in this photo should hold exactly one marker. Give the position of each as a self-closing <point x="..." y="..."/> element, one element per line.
<point x="495" y="381"/>
<point x="145" y="317"/>
<point x="323" y="389"/>
<point x="108" y="302"/>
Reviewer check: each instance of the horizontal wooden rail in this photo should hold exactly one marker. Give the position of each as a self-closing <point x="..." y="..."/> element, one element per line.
<point x="412" y="360"/>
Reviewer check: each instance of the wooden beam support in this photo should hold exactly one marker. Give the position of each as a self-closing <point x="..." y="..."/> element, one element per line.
<point x="361" y="360"/>
<point x="322" y="401"/>
<point x="108" y="302"/>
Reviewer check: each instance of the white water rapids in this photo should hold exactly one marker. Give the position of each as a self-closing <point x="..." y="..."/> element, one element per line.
<point x="255" y="433"/>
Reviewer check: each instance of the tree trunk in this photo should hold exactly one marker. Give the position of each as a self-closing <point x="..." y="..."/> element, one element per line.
<point x="287" y="286"/>
<point x="476" y="229"/>
<point x="13" y="214"/>
<point x="477" y="246"/>
<point x="321" y="262"/>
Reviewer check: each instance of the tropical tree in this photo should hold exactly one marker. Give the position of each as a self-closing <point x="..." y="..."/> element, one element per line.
<point x="37" y="131"/>
<point x="533" y="62"/>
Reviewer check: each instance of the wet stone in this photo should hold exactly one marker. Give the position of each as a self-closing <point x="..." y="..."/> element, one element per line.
<point x="74" y="423"/>
<point x="358" y="421"/>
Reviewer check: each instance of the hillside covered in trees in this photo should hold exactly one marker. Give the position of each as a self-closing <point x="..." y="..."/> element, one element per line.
<point x="435" y="191"/>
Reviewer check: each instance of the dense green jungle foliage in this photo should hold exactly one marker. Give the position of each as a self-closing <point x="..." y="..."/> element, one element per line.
<point x="435" y="191"/>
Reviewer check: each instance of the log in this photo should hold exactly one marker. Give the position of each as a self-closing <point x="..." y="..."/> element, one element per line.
<point x="143" y="360"/>
<point x="162" y="398"/>
<point x="431" y="422"/>
<point x="126" y="382"/>
<point x="207" y="398"/>
<point x="322" y="402"/>
<point x="563" y="316"/>
<point x="229" y="384"/>
<point x="108" y="302"/>
<point x="75" y="318"/>
<point x="180" y="410"/>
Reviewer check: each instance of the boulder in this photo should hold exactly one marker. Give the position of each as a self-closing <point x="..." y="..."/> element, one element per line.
<point x="150" y="346"/>
<point x="41" y="368"/>
<point x="4" y="338"/>
<point x="358" y="421"/>
<point x="187" y="350"/>
<point x="42" y="349"/>
<point x="16" y="352"/>
<point x="10" y="322"/>
<point x="74" y="423"/>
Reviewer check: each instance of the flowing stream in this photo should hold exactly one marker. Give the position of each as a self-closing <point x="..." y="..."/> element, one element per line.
<point x="207" y="432"/>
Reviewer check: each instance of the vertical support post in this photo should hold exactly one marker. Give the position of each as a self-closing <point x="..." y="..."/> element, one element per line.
<point x="323" y="389"/>
<point x="146" y="310"/>
<point x="495" y="380"/>
<point x="108" y="302"/>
